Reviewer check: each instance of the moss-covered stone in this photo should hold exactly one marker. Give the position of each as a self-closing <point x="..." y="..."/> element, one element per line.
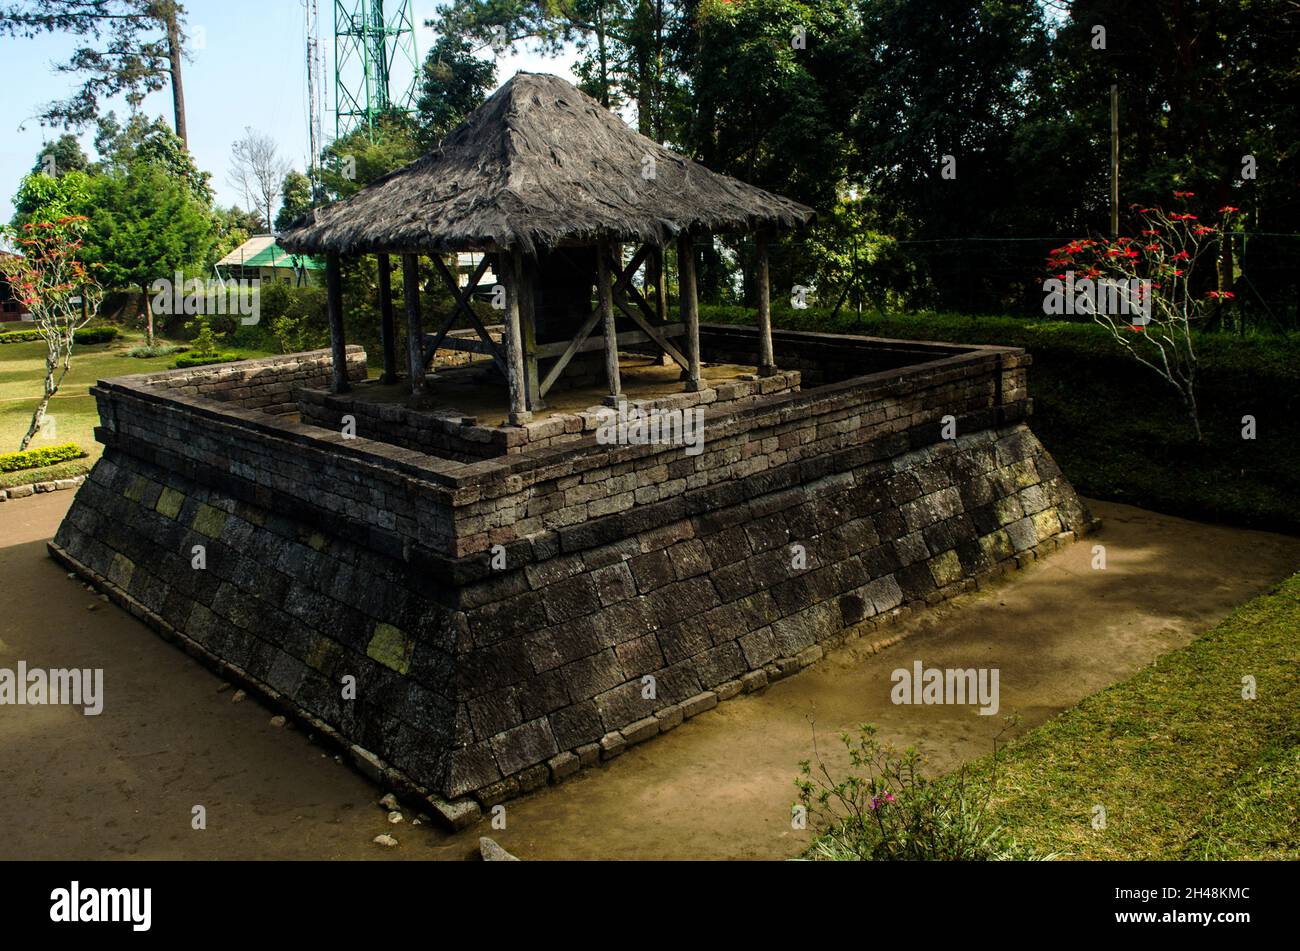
<point x="170" y="502"/>
<point x="121" y="571"/>
<point x="390" y="647"/>
<point x="209" y="521"/>
<point x="136" y="488"/>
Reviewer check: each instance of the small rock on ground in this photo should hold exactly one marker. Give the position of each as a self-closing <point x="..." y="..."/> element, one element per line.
<point x="492" y="852"/>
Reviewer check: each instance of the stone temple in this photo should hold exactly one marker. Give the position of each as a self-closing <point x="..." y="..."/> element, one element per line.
<point x="447" y="571"/>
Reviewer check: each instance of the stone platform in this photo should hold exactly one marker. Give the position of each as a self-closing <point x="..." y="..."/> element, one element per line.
<point x="508" y="620"/>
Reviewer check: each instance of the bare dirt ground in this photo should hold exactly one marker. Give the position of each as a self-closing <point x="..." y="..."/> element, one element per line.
<point x="123" y="784"/>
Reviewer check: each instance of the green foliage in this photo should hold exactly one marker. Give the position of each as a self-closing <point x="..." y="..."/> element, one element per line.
<point x="146" y="353"/>
<point x="884" y="808"/>
<point x="146" y="225"/>
<point x="354" y="161"/>
<point x="61" y="156"/>
<point x="62" y="470"/>
<point x="1119" y="431"/>
<point x="96" y="335"/>
<point x="295" y="199"/>
<point x="151" y="141"/>
<point x="84" y="336"/>
<point x="296" y="317"/>
<point x="453" y="83"/>
<point x="44" y="197"/>
<point x="36" y="458"/>
<point x="200" y="360"/>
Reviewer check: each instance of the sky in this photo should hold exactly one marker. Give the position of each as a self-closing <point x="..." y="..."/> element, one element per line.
<point x="248" y="70"/>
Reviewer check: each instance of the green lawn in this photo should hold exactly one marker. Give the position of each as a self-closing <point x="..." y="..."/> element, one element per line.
<point x="1118" y="430"/>
<point x="1184" y="767"/>
<point x="22" y="370"/>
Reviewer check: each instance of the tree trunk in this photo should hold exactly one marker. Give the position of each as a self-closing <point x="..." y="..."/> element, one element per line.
<point x="51" y="387"/>
<point x="1189" y="402"/>
<point x="174" y="53"/>
<point x="148" y="317"/>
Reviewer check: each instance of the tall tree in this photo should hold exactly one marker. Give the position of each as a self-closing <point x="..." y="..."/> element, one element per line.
<point x="61" y="156"/>
<point x="258" y="171"/>
<point x="146" y="225"/>
<point x="136" y="47"/>
<point x="295" y="192"/>
<point x="453" y="83"/>
<point x="151" y="141"/>
<point x="354" y="161"/>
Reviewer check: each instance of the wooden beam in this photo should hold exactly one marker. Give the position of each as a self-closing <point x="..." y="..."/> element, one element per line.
<point x="652" y="332"/>
<point x="626" y="338"/>
<point x="386" y="330"/>
<point x="414" y="322"/>
<point x="605" y="294"/>
<point x="450" y="280"/>
<point x="766" y="360"/>
<point x="334" y="305"/>
<point x="519" y="413"/>
<point x="690" y="307"/>
<point x="566" y="352"/>
<point x="463" y="297"/>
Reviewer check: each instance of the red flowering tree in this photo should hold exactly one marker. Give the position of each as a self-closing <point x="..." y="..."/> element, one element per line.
<point x="1155" y="275"/>
<point x="50" y="279"/>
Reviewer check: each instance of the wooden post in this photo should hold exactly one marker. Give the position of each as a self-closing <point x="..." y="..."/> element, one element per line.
<point x="605" y="294"/>
<point x="386" y="334"/>
<point x="766" y="360"/>
<point x="414" y="323"/>
<point x="334" y="304"/>
<point x="528" y="332"/>
<point x="690" y="307"/>
<point x="659" y="267"/>
<point x="515" y="378"/>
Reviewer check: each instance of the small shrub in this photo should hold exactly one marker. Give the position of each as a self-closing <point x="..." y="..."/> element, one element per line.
<point x="886" y="809"/>
<point x="96" y="335"/>
<point x="156" y="351"/>
<point x="195" y="359"/>
<point x="38" y="458"/>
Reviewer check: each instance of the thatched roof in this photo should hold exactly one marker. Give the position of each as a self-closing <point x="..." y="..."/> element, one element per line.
<point x="538" y="164"/>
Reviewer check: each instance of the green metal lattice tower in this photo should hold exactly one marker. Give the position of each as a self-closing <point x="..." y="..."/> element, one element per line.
<point x="371" y="52"/>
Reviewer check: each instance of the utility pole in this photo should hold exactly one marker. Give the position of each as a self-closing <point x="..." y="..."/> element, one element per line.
<point x="1114" y="161"/>
<point x="315" y="98"/>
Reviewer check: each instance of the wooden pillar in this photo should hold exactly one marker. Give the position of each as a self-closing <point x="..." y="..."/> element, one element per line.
<point x="766" y="361"/>
<point x="528" y="331"/>
<point x="605" y="294"/>
<point x="514" y="341"/>
<point x="334" y="304"/>
<point x="414" y="322"/>
<point x="690" y="307"/>
<point x="386" y="331"/>
<point x="659" y="275"/>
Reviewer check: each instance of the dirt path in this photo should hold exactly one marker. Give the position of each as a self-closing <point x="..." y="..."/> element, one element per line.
<point x="123" y="784"/>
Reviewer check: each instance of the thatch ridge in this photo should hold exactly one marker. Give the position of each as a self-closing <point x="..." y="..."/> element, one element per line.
<point x="539" y="164"/>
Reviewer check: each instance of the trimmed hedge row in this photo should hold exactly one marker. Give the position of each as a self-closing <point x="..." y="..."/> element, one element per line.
<point x="39" y="458"/>
<point x="87" y="336"/>
<point x="194" y="360"/>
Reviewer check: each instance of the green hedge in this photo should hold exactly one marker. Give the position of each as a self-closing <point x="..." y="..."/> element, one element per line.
<point x="86" y="336"/>
<point x="1116" y="428"/>
<point x="194" y="360"/>
<point x="38" y="458"/>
